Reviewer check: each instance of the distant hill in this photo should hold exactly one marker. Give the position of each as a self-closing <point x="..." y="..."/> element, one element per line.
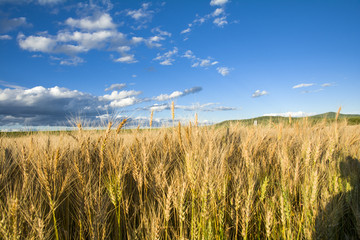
<point x="352" y="119"/>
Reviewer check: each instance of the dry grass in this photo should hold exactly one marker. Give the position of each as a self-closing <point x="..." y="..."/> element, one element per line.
<point x="267" y="182"/>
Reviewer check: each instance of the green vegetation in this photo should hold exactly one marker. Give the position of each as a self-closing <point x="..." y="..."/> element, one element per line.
<point x="329" y="117"/>
<point x="275" y="181"/>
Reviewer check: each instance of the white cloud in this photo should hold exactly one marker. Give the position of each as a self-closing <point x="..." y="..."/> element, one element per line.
<point x="223" y="70"/>
<point x="115" y="95"/>
<point x="167" y="58"/>
<point x="327" y="84"/>
<point x="73" y="43"/>
<point x="134" y="76"/>
<point x="218" y="17"/>
<point x="154" y="41"/>
<point x="205" y="63"/>
<point x="103" y="21"/>
<point x="220" y="22"/>
<point x="125" y="102"/>
<point x="218" y="11"/>
<point x="72" y="61"/>
<point x="259" y="93"/>
<point x="303" y="85"/>
<point x="5" y="37"/>
<point x="142" y="13"/>
<point x="37" y="43"/>
<point x="80" y="41"/>
<point x="137" y="40"/>
<point x="292" y="114"/>
<point x="164" y="97"/>
<point x="123" y="49"/>
<point x="90" y="40"/>
<point x="126" y="59"/>
<point x="116" y="86"/>
<point x="185" y="30"/>
<point x="159" y="108"/>
<point x="218" y="2"/>
<point x="189" y="54"/>
<point x="160" y="32"/>
<point x="176" y="94"/>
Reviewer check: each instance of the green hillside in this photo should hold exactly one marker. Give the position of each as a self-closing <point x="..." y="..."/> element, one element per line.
<point x="352" y="119"/>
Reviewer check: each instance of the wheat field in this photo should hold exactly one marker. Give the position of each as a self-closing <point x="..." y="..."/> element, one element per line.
<point x="274" y="181"/>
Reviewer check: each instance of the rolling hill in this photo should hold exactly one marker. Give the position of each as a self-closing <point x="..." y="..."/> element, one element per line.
<point x="352" y="119"/>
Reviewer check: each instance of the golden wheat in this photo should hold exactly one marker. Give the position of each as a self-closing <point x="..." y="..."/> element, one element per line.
<point x="276" y="181"/>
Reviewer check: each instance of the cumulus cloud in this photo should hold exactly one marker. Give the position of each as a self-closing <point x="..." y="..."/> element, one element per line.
<point x="160" y="32"/>
<point x="116" y="86"/>
<point x="176" y="94"/>
<point x="37" y="43"/>
<point x="221" y="21"/>
<point x="189" y="54"/>
<point x="218" y="12"/>
<point x="154" y="41"/>
<point x="100" y="22"/>
<point x="218" y="2"/>
<point x="259" y="93"/>
<point x="218" y="17"/>
<point x="115" y="95"/>
<point x="141" y="15"/>
<point x="301" y="85"/>
<point x="124" y="102"/>
<point x="43" y="102"/>
<point x="223" y="70"/>
<point x="96" y="32"/>
<point x="167" y="58"/>
<point x="5" y="37"/>
<point x="74" y="43"/>
<point x="126" y="59"/>
<point x="74" y="61"/>
<point x="42" y="106"/>
<point x="287" y="114"/>
<point x="199" y="62"/>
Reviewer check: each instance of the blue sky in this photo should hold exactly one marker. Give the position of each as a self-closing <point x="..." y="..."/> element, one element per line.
<point x="221" y="59"/>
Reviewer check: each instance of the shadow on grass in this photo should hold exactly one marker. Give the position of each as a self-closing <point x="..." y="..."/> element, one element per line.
<point x="340" y="218"/>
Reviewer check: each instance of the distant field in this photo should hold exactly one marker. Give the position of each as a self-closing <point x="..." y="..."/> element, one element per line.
<point x="297" y="180"/>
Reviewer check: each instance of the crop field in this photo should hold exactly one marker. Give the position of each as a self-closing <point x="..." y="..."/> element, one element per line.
<point x="276" y="181"/>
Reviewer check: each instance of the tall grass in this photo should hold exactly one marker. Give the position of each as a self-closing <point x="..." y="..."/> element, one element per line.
<point x="294" y="181"/>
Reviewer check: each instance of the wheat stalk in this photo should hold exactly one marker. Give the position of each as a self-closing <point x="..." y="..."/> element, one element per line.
<point x="173" y="111"/>
<point x="337" y="114"/>
<point x="121" y="125"/>
<point x="151" y="118"/>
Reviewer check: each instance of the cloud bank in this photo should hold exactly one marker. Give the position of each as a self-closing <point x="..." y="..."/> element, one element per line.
<point x="52" y="106"/>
